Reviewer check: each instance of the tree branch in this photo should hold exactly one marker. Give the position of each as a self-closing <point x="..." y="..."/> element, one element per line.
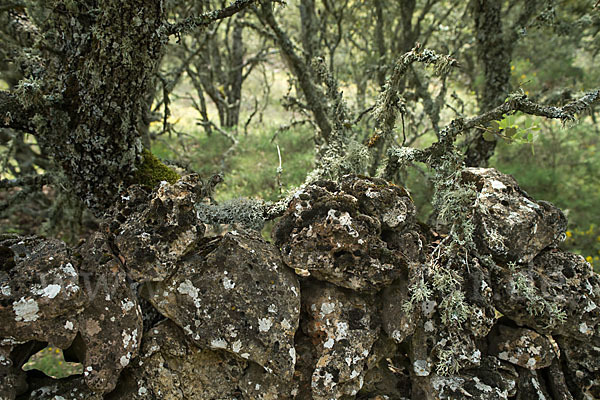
<point x="389" y="101"/>
<point x="517" y="102"/>
<point x="191" y="23"/>
<point x="29" y="180"/>
<point x="13" y="114"/>
<point x="314" y="97"/>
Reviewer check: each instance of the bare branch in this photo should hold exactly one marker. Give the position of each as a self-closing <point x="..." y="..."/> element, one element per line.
<point x="362" y="114"/>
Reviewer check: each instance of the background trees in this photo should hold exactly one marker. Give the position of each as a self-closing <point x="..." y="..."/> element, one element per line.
<point x="225" y="78"/>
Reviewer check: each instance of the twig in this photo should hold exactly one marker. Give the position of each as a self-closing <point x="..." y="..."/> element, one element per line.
<point x="289" y="126"/>
<point x="362" y="114"/>
<point x="251" y="116"/>
<point x="279" y="169"/>
<point x="166" y="102"/>
<point x="30" y="180"/>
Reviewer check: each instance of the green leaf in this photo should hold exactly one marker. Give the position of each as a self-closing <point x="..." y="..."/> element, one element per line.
<point x="510" y="132"/>
<point x="489" y="136"/>
<point x="495" y="126"/>
<point x="530" y="137"/>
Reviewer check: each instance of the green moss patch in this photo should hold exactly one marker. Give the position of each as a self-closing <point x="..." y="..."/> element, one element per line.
<point x="151" y="171"/>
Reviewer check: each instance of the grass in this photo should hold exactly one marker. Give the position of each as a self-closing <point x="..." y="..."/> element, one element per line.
<point x="52" y="363"/>
<point x="251" y="170"/>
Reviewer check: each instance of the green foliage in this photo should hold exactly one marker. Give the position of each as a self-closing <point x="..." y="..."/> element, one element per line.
<point x="52" y="363"/>
<point x="513" y="128"/>
<point x="251" y="170"/>
<point x="565" y="172"/>
<point x="151" y="171"/>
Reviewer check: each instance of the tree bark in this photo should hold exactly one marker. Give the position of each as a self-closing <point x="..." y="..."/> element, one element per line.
<point x="314" y="97"/>
<point x="12" y="114"/>
<point x="495" y="45"/>
<point x="236" y="69"/>
<point x="310" y="27"/>
<point x="380" y="42"/>
<point x="494" y="54"/>
<point x="98" y="66"/>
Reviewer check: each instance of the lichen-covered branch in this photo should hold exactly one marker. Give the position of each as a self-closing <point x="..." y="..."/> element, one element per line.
<point x="13" y="114"/>
<point x="206" y="19"/>
<point x="389" y="103"/>
<point x="520" y="102"/>
<point x="516" y="102"/>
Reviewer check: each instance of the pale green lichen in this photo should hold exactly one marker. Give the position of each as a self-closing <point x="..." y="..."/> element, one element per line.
<point x="340" y="159"/>
<point x="442" y="277"/>
<point x="30" y="92"/>
<point x="536" y="304"/>
<point x="249" y="213"/>
<point x="447" y="363"/>
<point x="419" y="293"/>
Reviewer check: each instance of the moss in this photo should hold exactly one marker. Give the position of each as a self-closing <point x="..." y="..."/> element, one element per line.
<point x="151" y="171"/>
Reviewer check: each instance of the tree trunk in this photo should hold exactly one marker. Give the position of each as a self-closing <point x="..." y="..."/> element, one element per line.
<point x="311" y="92"/>
<point x="380" y="43"/>
<point x="236" y="69"/>
<point x="310" y="27"/>
<point x="97" y="65"/>
<point x="494" y="53"/>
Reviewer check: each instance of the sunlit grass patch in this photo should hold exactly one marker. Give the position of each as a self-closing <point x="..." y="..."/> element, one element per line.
<point x="52" y="363"/>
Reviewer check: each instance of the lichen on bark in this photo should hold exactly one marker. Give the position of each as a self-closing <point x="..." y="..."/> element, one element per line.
<point x="98" y="60"/>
